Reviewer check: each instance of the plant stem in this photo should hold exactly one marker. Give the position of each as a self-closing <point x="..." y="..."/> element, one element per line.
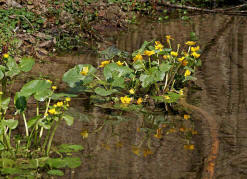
<point x="46" y="111"/>
<point x="51" y="137"/>
<point x="25" y="123"/>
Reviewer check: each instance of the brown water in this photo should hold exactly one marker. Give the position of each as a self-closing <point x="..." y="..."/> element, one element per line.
<point x="223" y="79"/>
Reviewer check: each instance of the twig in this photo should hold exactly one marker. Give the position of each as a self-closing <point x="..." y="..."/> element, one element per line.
<point x="24" y="18"/>
<point x="227" y="10"/>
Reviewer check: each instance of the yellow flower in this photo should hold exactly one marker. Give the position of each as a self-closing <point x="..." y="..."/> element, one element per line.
<point x="168" y="40"/>
<point x="84" y="71"/>
<point x="104" y="63"/>
<point x="157" y="42"/>
<point x="149" y="52"/>
<point x="185" y="62"/>
<point x="54" y="105"/>
<point x="125" y="100"/>
<point x="166" y="57"/>
<point x="196" y="55"/>
<point x="158" y="134"/>
<point x="54" y="87"/>
<point x="120" y="63"/>
<point x="5" y="55"/>
<point x="52" y="111"/>
<point x="138" y="57"/>
<point x="59" y="104"/>
<point x="159" y="46"/>
<point x="132" y="91"/>
<point x="136" y="150"/>
<point x="139" y="101"/>
<point x="147" y="152"/>
<point x="49" y="81"/>
<point x="45" y="114"/>
<point x="175" y="54"/>
<point x="84" y="134"/>
<point x="167" y="97"/>
<point x="168" y="37"/>
<point x="181" y="92"/>
<point x="194" y="49"/>
<point x="190" y="43"/>
<point x="67" y="99"/>
<point x="1" y="93"/>
<point x="181" y="59"/>
<point x="186" y="116"/>
<point x="187" y="73"/>
<point x="189" y="147"/>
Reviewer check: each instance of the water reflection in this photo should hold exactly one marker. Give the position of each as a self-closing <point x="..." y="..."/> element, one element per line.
<point x="223" y="79"/>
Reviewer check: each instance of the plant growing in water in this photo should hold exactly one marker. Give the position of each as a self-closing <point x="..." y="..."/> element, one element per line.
<point x="29" y="155"/>
<point x="149" y="81"/>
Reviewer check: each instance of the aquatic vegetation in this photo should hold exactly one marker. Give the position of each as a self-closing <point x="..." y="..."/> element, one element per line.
<point x="29" y="154"/>
<point x="148" y="81"/>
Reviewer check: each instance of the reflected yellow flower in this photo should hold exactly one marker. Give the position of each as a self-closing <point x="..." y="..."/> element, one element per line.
<point x="172" y="130"/>
<point x="163" y="125"/>
<point x="104" y="63"/>
<point x="106" y="146"/>
<point x="5" y="55"/>
<point x="139" y="101"/>
<point x="84" y="71"/>
<point x="187" y="73"/>
<point x="193" y="132"/>
<point x="147" y="152"/>
<point x="158" y="134"/>
<point x="194" y="49"/>
<point x="181" y="129"/>
<point x="119" y="144"/>
<point x="189" y="147"/>
<point x="49" y="81"/>
<point x="84" y="134"/>
<point x="136" y="150"/>
<point x="149" y="52"/>
<point x="196" y="55"/>
<point x="175" y="54"/>
<point x="190" y="43"/>
<point x="125" y="100"/>
<point x="120" y="63"/>
<point x="186" y="116"/>
<point x="138" y="57"/>
<point x="1" y="93"/>
<point x="132" y="91"/>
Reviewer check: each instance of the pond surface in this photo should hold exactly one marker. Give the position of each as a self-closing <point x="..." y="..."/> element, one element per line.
<point x="223" y="79"/>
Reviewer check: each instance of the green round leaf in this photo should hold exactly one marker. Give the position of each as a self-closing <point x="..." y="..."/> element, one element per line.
<point x="56" y="172"/>
<point x="26" y="64"/>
